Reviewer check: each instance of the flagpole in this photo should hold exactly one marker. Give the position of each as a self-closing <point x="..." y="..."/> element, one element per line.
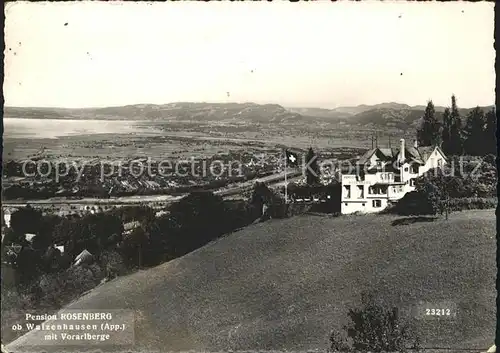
<point x="286" y="184"/>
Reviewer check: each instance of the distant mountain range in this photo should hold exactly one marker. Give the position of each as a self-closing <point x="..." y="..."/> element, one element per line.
<point x="250" y="112"/>
<point x="392" y="114"/>
<point x="382" y="115"/>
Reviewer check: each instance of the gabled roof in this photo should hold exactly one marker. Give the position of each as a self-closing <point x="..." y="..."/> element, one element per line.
<point x="388" y="152"/>
<point x="382" y="153"/>
<point x="84" y="254"/>
<point x="417" y="155"/>
<point x="425" y="152"/>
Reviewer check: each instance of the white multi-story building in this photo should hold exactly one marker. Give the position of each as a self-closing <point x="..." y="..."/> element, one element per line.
<point x="383" y="175"/>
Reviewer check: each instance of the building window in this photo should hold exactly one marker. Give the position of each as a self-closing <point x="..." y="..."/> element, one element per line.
<point x="377" y="203"/>
<point x="364" y="204"/>
<point x="371" y="190"/>
<point x="440" y="163"/>
<point x="406" y="169"/>
<point x="361" y="192"/>
<point x="347" y="191"/>
<point x="412" y="182"/>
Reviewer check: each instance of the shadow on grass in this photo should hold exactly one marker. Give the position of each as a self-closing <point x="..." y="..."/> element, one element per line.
<point x="410" y="220"/>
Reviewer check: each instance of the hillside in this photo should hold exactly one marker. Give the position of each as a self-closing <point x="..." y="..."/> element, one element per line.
<point x="285" y="284"/>
<point x="401" y="118"/>
<point x="321" y="113"/>
<point x="245" y="112"/>
<point x="384" y="115"/>
<point x="387" y="117"/>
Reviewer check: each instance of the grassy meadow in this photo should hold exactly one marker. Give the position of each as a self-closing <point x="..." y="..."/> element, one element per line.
<point x="285" y="284"/>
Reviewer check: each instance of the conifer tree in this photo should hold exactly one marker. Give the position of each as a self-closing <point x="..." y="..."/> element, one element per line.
<point x="446" y="131"/>
<point x="429" y="133"/>
<point x="455" y="129"/>
<point x="490" y="138"/>
<point x="474" y="133"/>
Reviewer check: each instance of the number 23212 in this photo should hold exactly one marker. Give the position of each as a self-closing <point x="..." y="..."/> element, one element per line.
<point x="438" y="312"/>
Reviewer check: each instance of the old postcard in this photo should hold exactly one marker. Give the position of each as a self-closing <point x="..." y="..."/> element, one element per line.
<point x="249" y="176"/>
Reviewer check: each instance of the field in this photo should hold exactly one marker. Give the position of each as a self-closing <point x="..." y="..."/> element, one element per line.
<point x="115" y="139"/>
<point x="285" y="284"/>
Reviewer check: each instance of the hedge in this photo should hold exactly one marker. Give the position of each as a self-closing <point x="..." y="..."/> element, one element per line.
<point x="472" y="203"/>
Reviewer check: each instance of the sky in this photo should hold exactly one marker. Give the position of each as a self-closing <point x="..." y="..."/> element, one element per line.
<point x="322" y="54"/>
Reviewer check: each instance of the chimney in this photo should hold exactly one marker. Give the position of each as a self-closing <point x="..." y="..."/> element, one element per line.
<point x="402" y="151"/>
<point x="415" y="144"/>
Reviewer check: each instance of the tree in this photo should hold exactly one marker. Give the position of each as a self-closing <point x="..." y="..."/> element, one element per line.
<point x="200" y="217"/>
<point x="312" y="168"/>
<point x="474" y="133"/>
<point x="490" y="142"/>
<point x="375" y="328"/>
<point x="446" y="131"/>
<point x="455" y="146"/>
<point x="26" y="220"/>
<point x="428" y="134"/>
<point x="44" y="237"/>
<point x="28" y="264"/>
<point x="261" y="195"/>
<point x="134" y="213"/>
<point x="93" y="232"/>
<point x="135" y="249"/>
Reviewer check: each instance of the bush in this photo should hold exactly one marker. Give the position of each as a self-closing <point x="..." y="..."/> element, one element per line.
<point x="374" y="328"/>
<point x="240" y="214"/>
<point x="54" y="290"/>
<point x="278" y="209"/>
<point x="472" y="203"/>
<point x="466" y="177"/>
<point x="112" y="263"/>
<point x="416" y="203"/>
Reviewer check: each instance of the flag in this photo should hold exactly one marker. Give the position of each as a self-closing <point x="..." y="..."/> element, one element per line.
<point x="292" y="159"/>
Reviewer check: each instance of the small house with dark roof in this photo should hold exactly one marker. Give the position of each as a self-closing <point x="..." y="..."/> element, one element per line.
<point x="383" y="175"/>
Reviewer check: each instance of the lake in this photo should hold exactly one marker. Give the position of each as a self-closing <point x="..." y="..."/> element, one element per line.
<point x="54" y="128"/>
